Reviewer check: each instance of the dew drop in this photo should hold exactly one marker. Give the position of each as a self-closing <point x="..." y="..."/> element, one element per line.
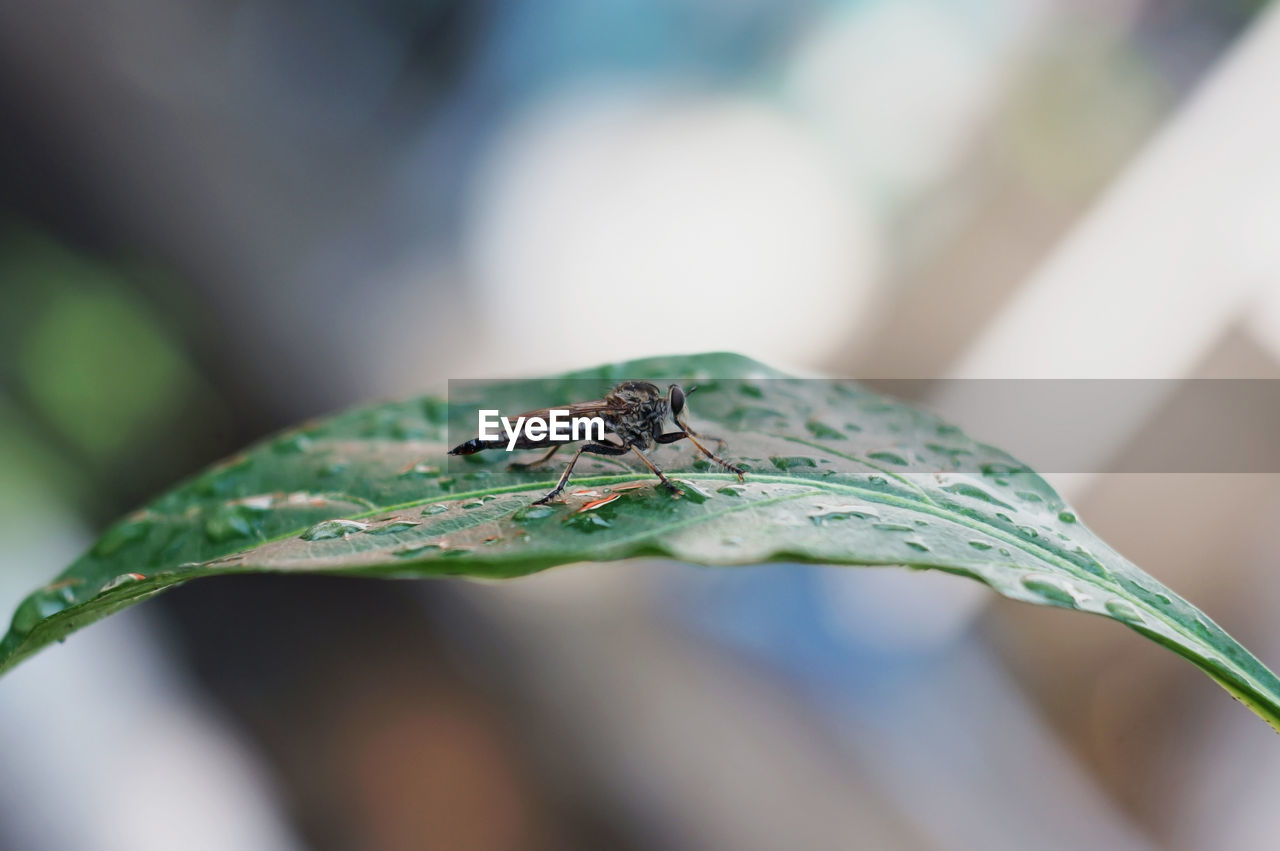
<point x="38" y="606"/>
<point x="892" y="527"/>
<point x="392" y="528"/>
<point x="230" y="522"/>
<point x="888" y="457"/>
<point x="731" y="490"/>
<point x="980" y="545"/>
<point x="327" y="529"/>
<point x="437" y="508"/>
<point x="975" y="492"/>
<point x="120" y="535"/>
<point x="1091" y="564"/>
<point x="534" y="512"/>
<point x="844" y="512"/>
<point x="1051" y="589"/>
<point x="823" y="431"/>
<point x="1066" y="517"/>
<point x="692" y="492"/>
<point x="952" y="452"/>
<point x="918" y="545"/>
<point x="589" y="522"/>
<point x="1124" y="611"/>
<point x="788" y="462"/>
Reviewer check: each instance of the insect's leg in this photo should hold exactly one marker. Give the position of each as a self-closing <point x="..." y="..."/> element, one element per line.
<point x="672" y="437"/>
<point x="720" y="444"/>
<point x="529" y="465"/>
<point x="670" y="485"/>
<point x="719" y="441"/>
<point x="595" y="449"/>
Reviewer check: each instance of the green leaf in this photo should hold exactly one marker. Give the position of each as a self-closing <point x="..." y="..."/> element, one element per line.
<point x="837" y="475"/>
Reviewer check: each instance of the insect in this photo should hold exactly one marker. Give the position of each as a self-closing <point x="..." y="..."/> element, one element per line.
<point x="634" y="414"/>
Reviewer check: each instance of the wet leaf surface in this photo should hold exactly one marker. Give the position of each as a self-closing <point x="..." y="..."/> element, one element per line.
<point x="837" y="475"/>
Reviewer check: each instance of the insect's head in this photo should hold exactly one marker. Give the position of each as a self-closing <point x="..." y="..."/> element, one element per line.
<point x="675" y="399"/>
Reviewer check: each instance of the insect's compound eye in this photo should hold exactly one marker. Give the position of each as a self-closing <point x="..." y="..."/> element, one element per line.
<point x="676" y="396"/>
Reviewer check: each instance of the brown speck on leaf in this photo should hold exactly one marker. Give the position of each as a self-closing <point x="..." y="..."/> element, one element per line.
<point x="594" y="504"/>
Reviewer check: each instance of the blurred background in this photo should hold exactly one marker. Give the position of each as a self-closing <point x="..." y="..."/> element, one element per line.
<point x="220" y="218"/>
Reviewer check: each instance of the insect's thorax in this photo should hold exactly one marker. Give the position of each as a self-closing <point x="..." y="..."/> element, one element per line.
<point x="640" y="409"/>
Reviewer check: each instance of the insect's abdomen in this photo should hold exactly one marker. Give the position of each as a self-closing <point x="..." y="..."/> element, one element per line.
<point x="474" y="445"/>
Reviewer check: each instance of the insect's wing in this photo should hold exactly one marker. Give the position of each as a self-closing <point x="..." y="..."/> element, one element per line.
<point x="597" y="408"/>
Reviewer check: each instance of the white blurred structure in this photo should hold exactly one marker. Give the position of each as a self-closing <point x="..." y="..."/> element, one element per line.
<point x="106" y="746"/>
<point x="638" y="222"/>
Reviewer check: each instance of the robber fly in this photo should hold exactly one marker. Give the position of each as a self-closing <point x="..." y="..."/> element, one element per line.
<point x="634" y="414"/>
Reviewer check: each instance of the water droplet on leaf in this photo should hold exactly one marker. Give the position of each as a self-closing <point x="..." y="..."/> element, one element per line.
<point x="888" y="457"/>
<point x="844" y="512"/>
<point x="1051" y="589"/>
<point x="533" y="512"/>
<point x="392" y="528"/>
<point x="1124" y="611"/>
<point x="692" y="492"/>
<point x="892" y="527"/>
<point x="328" y="529"/>
<point x="823" y="431"/>
<point x="788" y="462"/>
<point x="120" y="535"/>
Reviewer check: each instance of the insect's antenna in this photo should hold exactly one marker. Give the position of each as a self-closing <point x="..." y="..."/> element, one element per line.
<point x="693" y="388"/>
